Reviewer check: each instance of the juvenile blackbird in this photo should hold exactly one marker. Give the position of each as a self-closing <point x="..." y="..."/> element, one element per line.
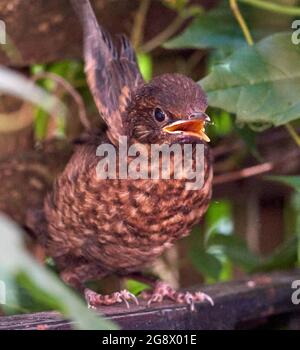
<point x="96" y="227"/>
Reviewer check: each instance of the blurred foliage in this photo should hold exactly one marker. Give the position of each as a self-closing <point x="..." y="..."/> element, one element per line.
<point x="70" y="70"/>
<point x="135" y="287"/>
<point x="18" y="268"/>
<point x="17" y="85"/>
<point x="146" y="65"/>
<point x="183" y="7"/>
<point x="293" y="181"/>
<point x="249" y="138"/>
<point x="222" y="123"/>
<point x="177" y="5"/>
<point x="219" y="250"/>
<point x="249" y="88"/>
<point x="292" y="248"/>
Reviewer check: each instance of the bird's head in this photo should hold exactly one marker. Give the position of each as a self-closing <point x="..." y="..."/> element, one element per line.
<point x="169" y="109"/>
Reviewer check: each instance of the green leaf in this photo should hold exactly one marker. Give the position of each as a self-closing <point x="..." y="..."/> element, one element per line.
<point x="18" y="268"/>
<point x="213" y="29"/>
<point x="218" y="219"/>
<point x="218" y="29"/>
<point x="206" y="263"/>
<point x="259" y="83"/>
<point x="145" y="65"/>
<point x="40" y="123"/>
<point x="222" y="122"/>
<point x="136" y="287"/>
<point x="236" y="250"/>
<point x="284" y="257"/>
<point x="292" y="181"/>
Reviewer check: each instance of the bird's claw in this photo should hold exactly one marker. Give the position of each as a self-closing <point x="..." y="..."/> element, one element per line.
<point x="163" y="290"/>
<point x="94" y="299"/>
<point x="190" y="299"/>
<point x="156" y="298"/>
<point x="124" y="295"/>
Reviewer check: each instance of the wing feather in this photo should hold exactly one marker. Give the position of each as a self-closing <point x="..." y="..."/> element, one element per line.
<point x="112" y="73"/>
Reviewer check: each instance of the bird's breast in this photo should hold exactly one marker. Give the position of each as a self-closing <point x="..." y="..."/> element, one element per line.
<point x="122" y="223"/>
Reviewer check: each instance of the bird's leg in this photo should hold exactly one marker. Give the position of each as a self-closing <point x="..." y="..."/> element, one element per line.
<point x="75" y="277"/>
<point x="94" y="299"/>
<point x="163" y="290"/>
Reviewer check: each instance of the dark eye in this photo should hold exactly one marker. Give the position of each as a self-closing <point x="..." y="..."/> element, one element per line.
<point x="159" y="115"/>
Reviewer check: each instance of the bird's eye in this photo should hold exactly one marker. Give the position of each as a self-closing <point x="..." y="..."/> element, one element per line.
<point x="159" y="115"/>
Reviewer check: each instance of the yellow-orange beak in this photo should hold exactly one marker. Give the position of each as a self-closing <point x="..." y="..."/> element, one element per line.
<point x="192" y="127"/>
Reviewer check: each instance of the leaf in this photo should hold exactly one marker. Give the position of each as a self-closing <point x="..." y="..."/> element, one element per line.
<point x="292" y="181"/>
<point x="259" y="83"/>
<point x="146" y="65"/>
<point x="236" y="250"/>
<point x="218" y="29"/>
<point x="136" y="287"/>
<point x="213" y="29"/>
<point x="17" y="267"/>
<point x="206" y="263"/>
<point x="222" y="123"/>
<point x="218" y="219"/>
<point x="284" y="257"/>
<point x="41" y="123"/>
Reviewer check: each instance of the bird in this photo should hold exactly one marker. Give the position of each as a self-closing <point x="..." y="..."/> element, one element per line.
<point x="94" y="227"/>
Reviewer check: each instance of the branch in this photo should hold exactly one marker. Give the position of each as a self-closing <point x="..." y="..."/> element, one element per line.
<point x="139" y="22"/>
<point x="236" y="11"/>
<point x="70" y="89"/>
<point x="164" y="35"/>
<point x="243" y="173"/>
<point x="256" y="169"/>
<point x="269" y="6"/>
<point x="239" y="304"/>
<point x="293" y="133"/>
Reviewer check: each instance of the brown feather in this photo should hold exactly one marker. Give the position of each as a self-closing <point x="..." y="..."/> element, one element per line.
<point x="112" y="73"/>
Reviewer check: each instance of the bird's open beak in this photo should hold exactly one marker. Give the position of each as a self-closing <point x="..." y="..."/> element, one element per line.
<point x="195" y="126"/>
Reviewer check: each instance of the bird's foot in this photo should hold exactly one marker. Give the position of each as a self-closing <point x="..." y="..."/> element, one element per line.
<point x="162" y="290"/>
<point x="94" y="299"/>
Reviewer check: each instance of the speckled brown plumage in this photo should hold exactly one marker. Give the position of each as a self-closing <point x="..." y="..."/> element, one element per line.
<point x="116" y="226"/>
<point x="94" y="227"/>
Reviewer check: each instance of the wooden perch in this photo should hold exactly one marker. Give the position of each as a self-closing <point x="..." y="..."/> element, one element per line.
<point x="240" y="304"/>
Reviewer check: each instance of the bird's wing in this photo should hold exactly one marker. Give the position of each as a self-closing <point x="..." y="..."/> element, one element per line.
<point x="112" y="73"/>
